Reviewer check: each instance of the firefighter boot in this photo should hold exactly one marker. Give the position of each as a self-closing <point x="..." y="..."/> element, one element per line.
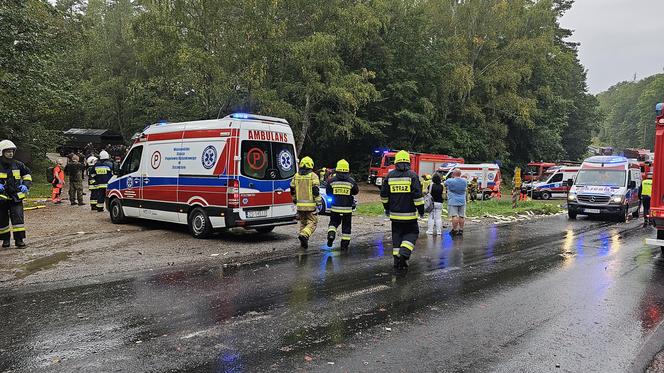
<point x="304" y="241"/>
<point x="5" y="243"/>
<point x="396" y="261"/>
<point x="330" y="238"/>
<point x="402" y="262"/>
<point x="345" y="244"/>
<point x="20" y="244"/>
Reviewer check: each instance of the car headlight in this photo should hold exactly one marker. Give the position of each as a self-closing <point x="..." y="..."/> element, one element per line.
<point x="571" y="197"/>
<point x="617" y="199"/>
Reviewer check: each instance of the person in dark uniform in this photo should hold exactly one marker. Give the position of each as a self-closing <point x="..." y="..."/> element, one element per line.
<point x="15" y="182"/>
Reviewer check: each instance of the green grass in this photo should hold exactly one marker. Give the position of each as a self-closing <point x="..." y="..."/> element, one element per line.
<point x="481" y="208"/>
<point x="40" y="190"/>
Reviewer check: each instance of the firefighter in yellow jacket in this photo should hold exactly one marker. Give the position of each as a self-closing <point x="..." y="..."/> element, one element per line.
<point x="306" y="196"/>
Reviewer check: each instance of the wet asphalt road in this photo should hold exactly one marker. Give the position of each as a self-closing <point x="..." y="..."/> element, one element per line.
<point x="547" y="295"/>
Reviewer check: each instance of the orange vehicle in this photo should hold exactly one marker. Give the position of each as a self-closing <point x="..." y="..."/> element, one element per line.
<point x="382" y="162"/>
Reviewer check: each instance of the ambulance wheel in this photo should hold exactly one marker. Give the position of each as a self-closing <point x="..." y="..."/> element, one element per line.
<point x="199" y="223"/>
<point x="115" y="209"/>
<point x="624" y="214"/>
<point x="486" y="196"/>
<point x="546" y="195"/>
<point x="265" y="229"/>
<point x="571" y="215"/>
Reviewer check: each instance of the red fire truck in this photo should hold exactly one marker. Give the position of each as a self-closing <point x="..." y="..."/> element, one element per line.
<point x="656" y="202"/>
<point x="382" y="162"/>
<point x="535" y="170"/>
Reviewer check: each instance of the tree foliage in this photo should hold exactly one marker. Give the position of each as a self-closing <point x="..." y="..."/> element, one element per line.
<point x="484" y="80"/>
<point x="628" y="110"/>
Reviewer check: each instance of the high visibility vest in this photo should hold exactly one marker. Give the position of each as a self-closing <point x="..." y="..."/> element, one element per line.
<point x="646" y="188"/>
<point x="304" y="185"/>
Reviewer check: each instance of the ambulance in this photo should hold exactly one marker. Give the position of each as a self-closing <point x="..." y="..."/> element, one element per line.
<point x="210" y="175"/>
<point x="555" y="184"/>
<point x="488" y="176"/>
<point x="606" y="185"/>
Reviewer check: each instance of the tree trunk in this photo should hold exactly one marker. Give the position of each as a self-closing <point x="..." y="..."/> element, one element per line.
<point x="306" y="122"/>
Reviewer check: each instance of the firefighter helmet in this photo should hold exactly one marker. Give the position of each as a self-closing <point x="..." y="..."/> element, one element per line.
<point x="307" y="162"/>
<point x="402" y="157"/>
<point x="91" y="160"/>
<point x="104" y="155"/>
<point x="342" y="166"/>
<point x="427" y="177"/>
<point x="6" y="145"/>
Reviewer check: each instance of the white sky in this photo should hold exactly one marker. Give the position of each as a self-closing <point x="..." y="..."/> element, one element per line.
<point x="618" y="39"/>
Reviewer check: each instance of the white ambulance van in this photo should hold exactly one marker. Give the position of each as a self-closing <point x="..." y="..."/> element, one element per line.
<point x="606" y="185"/>
<point x="556" y="184"/>
<point x="488" y="176"/>
<point x="210" y="175"/>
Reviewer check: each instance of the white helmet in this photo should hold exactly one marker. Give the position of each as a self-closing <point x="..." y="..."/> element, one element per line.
<point x="91" y="160"/>
<point x="6" y="145"/>
<point x="104" y="155"/>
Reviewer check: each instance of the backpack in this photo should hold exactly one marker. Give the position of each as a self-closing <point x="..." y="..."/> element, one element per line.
<point x="49" y="175"/>
<point x="428" y="201"/>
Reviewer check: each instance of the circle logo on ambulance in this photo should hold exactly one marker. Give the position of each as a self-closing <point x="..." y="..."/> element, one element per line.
<point x="130" y="182"/>
<point x="490" y="175"/>
<point x="155" y="160"/>
<point x="209" y="157"/>
<point x="285" y="160"/>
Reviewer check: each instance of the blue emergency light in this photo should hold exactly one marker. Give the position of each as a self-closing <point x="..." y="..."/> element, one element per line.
<point x="329" y="199"/>
<point x="240" y="115"/>
<point x="659" y="108"/>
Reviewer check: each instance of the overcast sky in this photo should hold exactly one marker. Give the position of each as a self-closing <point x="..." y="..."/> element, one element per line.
<point x="618" y="39"/>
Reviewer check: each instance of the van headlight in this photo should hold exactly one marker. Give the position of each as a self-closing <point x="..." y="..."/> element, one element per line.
<point x="571" y="197"/>
<point x="617" y="199"/>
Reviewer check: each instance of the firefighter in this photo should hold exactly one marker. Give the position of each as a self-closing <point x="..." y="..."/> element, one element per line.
<point x="473" y="186"/>
<point x="646" y="192"/>
<point x="58" y="182"/>
<point x="322" y="174"/>
<point x="402" y="199"/>
<point x="102" y="172"/>
<point x="306" y="196"/>
<point x="426" y="183"/>
<point x="91" y="162"/>
<point x="15" y="181"/>
<point x="342" y="188"/>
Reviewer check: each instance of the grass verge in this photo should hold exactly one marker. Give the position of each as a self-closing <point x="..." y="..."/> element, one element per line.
<point x="481" y="208"/>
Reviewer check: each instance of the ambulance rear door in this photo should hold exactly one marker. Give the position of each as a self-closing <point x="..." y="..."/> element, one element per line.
<point x="160" y="177"/>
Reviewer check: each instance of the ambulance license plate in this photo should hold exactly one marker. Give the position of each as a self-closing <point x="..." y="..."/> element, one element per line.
<point x="592" y="211"/>
<point x="257" y="214"/>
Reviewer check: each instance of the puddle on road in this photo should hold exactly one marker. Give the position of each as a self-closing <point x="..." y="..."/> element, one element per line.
<point x="41" y="264"/>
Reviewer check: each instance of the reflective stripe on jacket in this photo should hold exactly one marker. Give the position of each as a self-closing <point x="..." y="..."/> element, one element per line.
<point x="342" y="188"/>
<point x="12" y="176"/>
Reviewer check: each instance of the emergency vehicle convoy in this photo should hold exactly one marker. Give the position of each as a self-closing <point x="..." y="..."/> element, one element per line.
<point x="488" y="176"/>
<point x="554" y="183"/>
<point x="420" y="163"/>
<point x="209" y="174"/>
<point x="606" y="185"/>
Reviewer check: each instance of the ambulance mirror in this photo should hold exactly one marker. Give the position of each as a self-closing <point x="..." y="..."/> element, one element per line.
<point x="570" y="182"/>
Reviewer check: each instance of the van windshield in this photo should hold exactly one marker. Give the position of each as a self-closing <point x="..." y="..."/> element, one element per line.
<point x="375" y="160"/>
<point x="601" y="177"/>
<point x="264" y="160"/>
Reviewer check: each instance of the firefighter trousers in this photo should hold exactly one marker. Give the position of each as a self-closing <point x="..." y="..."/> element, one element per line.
<point x="308" y="223"/>
<point x="93" y="199"/>
<point x="11" y="210"/>
<point x="101" y="197"/>
<point x="404" y="236"/>
<point x="76" y="192"/>
<point x="336" y="219"/>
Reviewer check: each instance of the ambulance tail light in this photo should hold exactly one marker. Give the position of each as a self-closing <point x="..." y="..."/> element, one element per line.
<point x="233" y="193"/>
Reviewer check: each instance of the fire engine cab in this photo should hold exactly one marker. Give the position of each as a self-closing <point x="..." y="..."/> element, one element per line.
<point x="657" y="198"/>
<point x="383" y="162"/>
<point x="209" y="174"/>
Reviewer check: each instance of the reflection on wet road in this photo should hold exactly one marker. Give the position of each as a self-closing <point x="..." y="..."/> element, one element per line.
<point x="581" y="295"/>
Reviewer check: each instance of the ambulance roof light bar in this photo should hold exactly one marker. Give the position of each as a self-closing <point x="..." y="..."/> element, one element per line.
<point x="256" y="117"/>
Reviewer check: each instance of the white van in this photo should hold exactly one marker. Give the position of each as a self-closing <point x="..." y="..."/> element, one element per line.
<point x="555" y="185"/>
<point x="488" y="176"/>
<point x="210" y="175"/>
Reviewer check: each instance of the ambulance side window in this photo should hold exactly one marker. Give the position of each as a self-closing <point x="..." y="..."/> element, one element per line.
<point x="133" y="161"/>
<point x="284" y="159"/>
<point x="556" y="178"/>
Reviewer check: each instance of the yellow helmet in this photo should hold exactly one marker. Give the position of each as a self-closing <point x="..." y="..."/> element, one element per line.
<point x="343" y="166"/>
<point x="307" y="162"/>
<point x="402" y="157"/>
<point x="427" y="177"/>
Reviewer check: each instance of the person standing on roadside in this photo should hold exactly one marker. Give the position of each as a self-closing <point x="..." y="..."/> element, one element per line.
<point x="646" y="192"/>
<point x="435" y="216"/>
<point x="472" y="189"/>
<point x="92" y="186"/>
<point x="74" y="171"/>
<point x="15" y="182"/>
<point x="342" y="187"/>
<point x="456" y="201"/>
<point x="102" y="173"/>
<point x="58" y="181"/>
